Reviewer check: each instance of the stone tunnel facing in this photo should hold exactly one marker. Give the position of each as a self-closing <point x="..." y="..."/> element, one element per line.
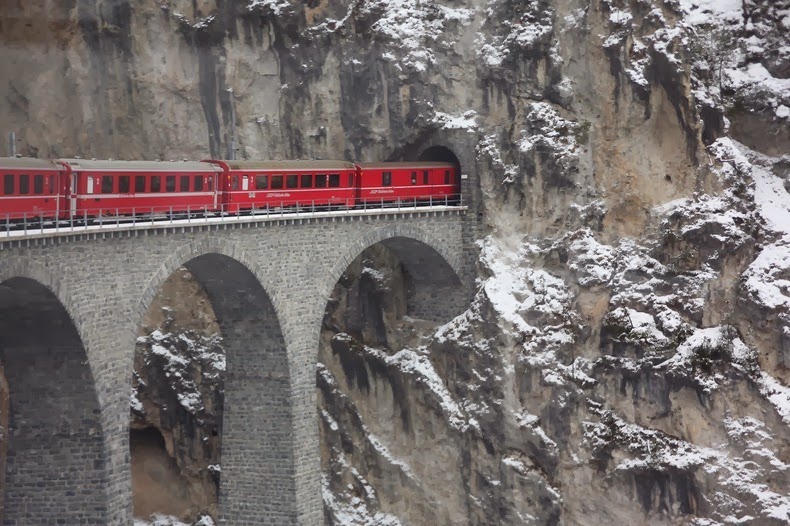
<point x="55" y="465"/>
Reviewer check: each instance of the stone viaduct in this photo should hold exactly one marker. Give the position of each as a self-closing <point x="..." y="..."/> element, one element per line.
<point x="71" y="306"/>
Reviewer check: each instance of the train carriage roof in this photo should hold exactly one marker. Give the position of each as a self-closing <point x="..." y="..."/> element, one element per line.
<point x="405" y="165"/>
<point x="139" y="166"/>
<point x="27" y="163"/>
<point x="287" y="165"/>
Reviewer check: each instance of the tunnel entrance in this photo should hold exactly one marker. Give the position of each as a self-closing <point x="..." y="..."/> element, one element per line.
<point x="440" y="154"/>
<point x="445" y="155"/>
<point x="55" y="461"/>
<point x="211" y="375"/>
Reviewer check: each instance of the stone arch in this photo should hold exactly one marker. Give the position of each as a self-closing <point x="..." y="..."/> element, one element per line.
<point x="257" y="464"/>
<point x="435" y="274"/>
<point x="57" y="446"/>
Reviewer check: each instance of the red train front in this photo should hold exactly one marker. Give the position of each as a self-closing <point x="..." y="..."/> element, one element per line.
<point x="415" y="182"/>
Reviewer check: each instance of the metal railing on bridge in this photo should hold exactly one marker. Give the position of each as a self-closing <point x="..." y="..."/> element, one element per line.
<point x="22" y="224"/>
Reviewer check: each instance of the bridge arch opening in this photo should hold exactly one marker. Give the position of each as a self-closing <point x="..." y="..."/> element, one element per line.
<point x="54" y="462"/>
<point x="380" y="317"/>
<point x="215" y="330"/>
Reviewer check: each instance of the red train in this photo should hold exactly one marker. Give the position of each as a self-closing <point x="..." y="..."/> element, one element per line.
<point x="35" y="189"/>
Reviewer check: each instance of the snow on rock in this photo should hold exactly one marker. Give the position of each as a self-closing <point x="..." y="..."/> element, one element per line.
<point x="167" y="520"/>
<point x="738" y="44"/>
<point x="591" y="261"/>
<point x="182" y="357"/>
<point x="767" y="280"/>
<point x="488" y="148"/>
<point x="522" y="295"/>
<point x="416" y="364"/>
<point x="530" y="27"/>
<point x="704" y="12"/>
<point x="642" y="451"/>
<point x="350" y="510"/>
<point x="464" y="121"/>
<point x="271" y="7"/>
<point x="413" y="30"/>
<point x="547" y="131"/>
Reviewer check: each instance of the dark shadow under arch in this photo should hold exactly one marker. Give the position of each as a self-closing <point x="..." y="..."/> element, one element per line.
<point x="55" y="465"/>
<point x="433" y="289"/>
<point x="257" y="461"/>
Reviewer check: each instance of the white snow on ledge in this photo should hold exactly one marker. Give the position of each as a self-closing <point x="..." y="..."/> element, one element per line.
<point x="700" y="12"/>
<point x="466" y="120"/>
<point x="168" y="520"/>
<point x="767" y="280"/>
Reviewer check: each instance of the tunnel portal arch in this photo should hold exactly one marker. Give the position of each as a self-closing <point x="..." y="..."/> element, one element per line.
<point x="257" y="459"/>
<point x="440" y="154"/>
<point x="56" y="462"/>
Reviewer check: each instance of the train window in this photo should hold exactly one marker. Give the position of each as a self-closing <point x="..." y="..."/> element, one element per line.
<point x="334" y="180"/>
<point x="307" y="180"/>
<point x="210" y="183"/>
<point x="414" y="178"/>
<point x="123" y="184"/>
<point x="277" y="182"/>
<point x="38" y="184"/>
<point x="425" y="177"/>
<point x="184" y="184"/>
<point x="170" y="183"/>
<point x="234" y="182"/>
<point x="320" y="180"/>
<point x="156" y="183"/>
<point x="198" y="183"/>
<point x="52" y="189"/>
<point x="350" y="179"/>
<point x="106" y="184"/>
<point x="447" y="177"/>
<point x="24" y="184"/>
<point x="386" y="179"/>
<point x="292" y="181"/>
<point x="8" y="184"/>
<point x="139" y="184"/>
<point x="261" y="182"/>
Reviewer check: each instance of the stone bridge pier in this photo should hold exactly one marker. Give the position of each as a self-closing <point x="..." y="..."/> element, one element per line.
<point x="70" y="309"/>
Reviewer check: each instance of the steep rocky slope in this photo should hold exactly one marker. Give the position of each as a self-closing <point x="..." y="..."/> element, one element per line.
<point x="625" y="356"/>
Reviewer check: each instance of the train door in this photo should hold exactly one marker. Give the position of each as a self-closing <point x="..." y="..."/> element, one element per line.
<point x="73" y="193"/>
<point x="353" y="182"/>
<point x="213" y="188"/>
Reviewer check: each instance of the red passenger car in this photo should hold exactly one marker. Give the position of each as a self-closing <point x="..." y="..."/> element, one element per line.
<point x="255" y="185"/>
<point x="408" y="182"/>
<point x="32" y="189"/>
<point x="109" y="188"/>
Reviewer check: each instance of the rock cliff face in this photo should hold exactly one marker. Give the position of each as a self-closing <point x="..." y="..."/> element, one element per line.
<point x="625" y="357"/>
